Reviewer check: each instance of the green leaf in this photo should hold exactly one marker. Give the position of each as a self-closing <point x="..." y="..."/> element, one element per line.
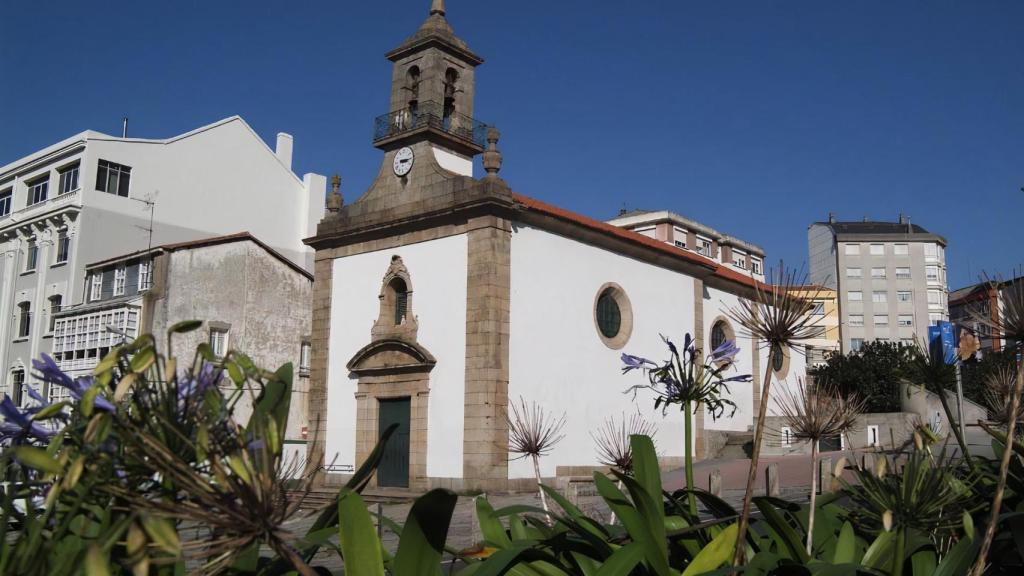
<point x="360" y="547"/>
<point x="96" y="562"/>
<point x="959" y="558"/>
<point x="636" y="525"/>
<point x="968" y="525"/>
<point x="50" y="411"/>
<point x="793" y="542"/>
<point x="923" y="562"/>
<point x="490" y="526"/>
<point x="162" y="533"/>
<point x="715" y="554"/>
<point x="143" y="360"/>
<point x="37" y="459"/>
<point x="879" y="550"/>
<point x="622" y="562"/>
<point x="425" y="532"/>
<point x="846" y="546"/>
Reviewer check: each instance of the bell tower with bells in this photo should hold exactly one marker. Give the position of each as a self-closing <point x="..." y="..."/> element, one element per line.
<point x="431" y="110"/>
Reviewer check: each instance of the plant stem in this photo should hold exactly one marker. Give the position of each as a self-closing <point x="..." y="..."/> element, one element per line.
<point x="814" y="496"/>
<point x="536" y="473"/>
<point x="955" y="428"/>
<point x="1004" y="466"/>
<point x="741" y="537"/>
<point x="688" y="459"/>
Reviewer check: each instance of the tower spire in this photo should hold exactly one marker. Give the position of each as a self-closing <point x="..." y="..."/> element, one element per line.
<point x="437" y="7"/>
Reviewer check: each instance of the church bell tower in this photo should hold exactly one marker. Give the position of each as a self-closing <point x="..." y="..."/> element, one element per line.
<point x="432" y="89"/>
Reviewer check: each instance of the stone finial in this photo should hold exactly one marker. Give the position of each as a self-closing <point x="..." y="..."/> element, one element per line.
<point x="492" y="158"/>
<point x="334" y="199"/>
<point x="437" y="7"/>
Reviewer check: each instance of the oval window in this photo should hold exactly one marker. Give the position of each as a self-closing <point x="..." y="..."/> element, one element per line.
<point x="718" y="335"/>
<point x="609" y="317"/>
<point x="613" y="316"/>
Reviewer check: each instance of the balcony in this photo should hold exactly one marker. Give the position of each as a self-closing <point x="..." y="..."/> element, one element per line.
<point x="430" y="117"/>
<point x="43" y="208"/>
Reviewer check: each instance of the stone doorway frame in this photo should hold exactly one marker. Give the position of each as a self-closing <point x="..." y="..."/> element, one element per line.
<point x="388" y="369"/>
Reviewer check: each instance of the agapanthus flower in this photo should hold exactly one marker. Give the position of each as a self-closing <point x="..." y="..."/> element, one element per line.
<point x="630" y="362"/>
<point x="18" y="424"/>
<point x="49" y="372"/>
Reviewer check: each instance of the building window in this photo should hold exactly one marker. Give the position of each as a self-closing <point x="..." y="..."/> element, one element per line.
<point x="786" y="435"/>
<point x="679" y="243"/>
<point x="609" y="317"/>
<point x="903" y="273"/>
<point x="68" y="180"/>
<point x="872" y="435"/>
<point x="878" y="249"/>
<point x="818" y="309"/>
<point x="856" y="320"/>
<point x="934" y="298"/>
<point x="901" y="249"/>
<point x="305" y="358"/>
<point x="120" y="275"/>
<point x="856" y="344"/>
<point x="780" y="363"/>
<point x="63" y="246"/>
<point x="905" y="320"/>
<point x="145" y="275"/>
<point x="401" y="296"/>
<point x="931" y="273"/>
<point x="755" y="266"/>
<point x="720" y="333"/>
<point x="24" y="319"/>
<point x="934" y="318"/>
<point x="739" y="260"/>
<point x="852" y="249"/>
<point x="37" y="190"/>
<point x="931" y="251"/>
<point x="613" y="316"/>
<point x="113" y="178"/>
<point x="881" y="319"/>
<point x="879" y="297"/>
<point x="219" y="342"/>
<point x="907" y="341"/>
<point x="855" y="296"/>
<point x="17" y="383"/>
<point x="905" y="296"/>
<point x="31" y="255"/>
<point x="96" y="289"/>
<point x="853" y="272"/>
<point x="81" y="341"/>
<point x="55" y="304"/>
<point x="5" y="202"/>
<point x="878" y="273"/>
<point x="704" y="247"/>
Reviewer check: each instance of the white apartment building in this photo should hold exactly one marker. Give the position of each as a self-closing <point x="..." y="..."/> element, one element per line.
<point x="686" y="234"/>
<point x="890" y="278"/>
<point x="94" y="196"/>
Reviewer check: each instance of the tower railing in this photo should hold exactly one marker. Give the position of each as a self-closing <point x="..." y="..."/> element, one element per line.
<point x="433" y="115"/>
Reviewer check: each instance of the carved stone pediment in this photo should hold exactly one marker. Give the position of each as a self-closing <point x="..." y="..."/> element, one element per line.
<point x="391" y="356"/>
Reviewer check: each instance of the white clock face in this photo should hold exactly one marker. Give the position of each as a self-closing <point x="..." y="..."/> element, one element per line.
<point x="403" y="161"/>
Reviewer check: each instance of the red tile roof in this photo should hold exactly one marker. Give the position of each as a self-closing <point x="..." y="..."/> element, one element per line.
<point x="717" y="269"/>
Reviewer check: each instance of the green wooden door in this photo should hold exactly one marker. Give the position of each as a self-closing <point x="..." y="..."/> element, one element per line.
<point x="394" y="465"/>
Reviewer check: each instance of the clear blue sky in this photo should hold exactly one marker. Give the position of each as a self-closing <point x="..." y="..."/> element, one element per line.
<point x="755" y="117"/>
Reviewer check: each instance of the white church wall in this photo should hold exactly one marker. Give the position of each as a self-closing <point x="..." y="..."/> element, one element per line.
<point x="437" y="269"/>
<point x="556" y="356"/>
<point x="716" y="306"/>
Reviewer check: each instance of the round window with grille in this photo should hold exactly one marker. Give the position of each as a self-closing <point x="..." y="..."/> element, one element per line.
<point x="613" y="316"/>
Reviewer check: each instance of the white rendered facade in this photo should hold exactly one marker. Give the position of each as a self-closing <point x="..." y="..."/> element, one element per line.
<point x="218" y="179"/>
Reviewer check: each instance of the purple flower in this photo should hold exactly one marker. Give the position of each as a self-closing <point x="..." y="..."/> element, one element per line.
<point x="17" y="423"/>
<point x="634" y="363"/>
<point x="49" y="372"/>
<point x="725" y="352"/>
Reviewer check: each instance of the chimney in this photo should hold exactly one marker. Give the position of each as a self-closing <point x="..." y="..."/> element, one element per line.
<point x="831" y="217"/>
<point x="284" y="149"/>
<point x="904" y="219"/>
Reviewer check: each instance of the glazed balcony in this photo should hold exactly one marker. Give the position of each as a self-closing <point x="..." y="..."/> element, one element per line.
<point x="429" y="118"/>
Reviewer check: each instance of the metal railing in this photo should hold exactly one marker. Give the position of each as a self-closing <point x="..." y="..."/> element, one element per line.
<point x="430" y="114"/>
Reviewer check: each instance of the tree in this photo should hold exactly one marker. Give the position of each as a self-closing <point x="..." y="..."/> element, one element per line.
<point x="874" y="373"/>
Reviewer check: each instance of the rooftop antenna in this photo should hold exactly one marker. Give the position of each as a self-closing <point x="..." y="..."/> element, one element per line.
<point x="124" y="127"/>
<point x="151" y="202"/>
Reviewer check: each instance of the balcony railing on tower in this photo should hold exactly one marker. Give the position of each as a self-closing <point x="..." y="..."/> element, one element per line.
<point x="430" y="115"/>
